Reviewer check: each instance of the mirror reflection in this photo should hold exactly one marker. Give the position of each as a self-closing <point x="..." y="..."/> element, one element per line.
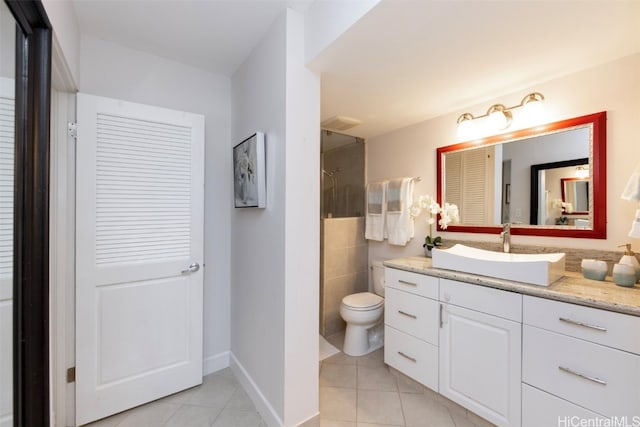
<point x="7" y="83"/>
<point x="545" y="178"/>
<point x="558" y="201"/>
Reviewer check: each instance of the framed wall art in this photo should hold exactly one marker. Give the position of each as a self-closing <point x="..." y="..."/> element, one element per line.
<point x="249" y="184"/>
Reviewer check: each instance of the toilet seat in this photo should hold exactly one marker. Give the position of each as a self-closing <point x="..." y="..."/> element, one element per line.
<point x="362" y="301"/>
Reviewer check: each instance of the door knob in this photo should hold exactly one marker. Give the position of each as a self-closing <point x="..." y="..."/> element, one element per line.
<point x="192" y="268"/>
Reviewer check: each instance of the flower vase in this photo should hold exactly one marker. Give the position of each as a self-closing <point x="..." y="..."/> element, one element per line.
<point x="427" y="251"/>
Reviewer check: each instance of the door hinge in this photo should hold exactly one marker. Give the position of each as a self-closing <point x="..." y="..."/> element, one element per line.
<point x="71" y="375"/>
<point x="72" y="129"/>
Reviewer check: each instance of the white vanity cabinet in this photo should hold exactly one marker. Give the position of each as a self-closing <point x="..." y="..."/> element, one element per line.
<point x="579" y="357"/>
<point x="411" y="325"/>
<point x="513" y="359"/>
<point x="480" y="351"/>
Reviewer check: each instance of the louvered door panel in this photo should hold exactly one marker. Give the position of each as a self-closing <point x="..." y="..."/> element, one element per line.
<point x="143" y="190"/>
<point x="453" y="180"/>
<point x="7" y="120"/>
<point x="7" y="137"/>
<point x="474" y="169"/>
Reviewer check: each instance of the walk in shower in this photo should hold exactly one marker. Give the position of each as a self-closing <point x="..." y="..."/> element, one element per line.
<point x="343" y="251"/>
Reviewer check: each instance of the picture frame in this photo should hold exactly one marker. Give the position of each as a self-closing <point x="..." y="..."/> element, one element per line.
<point x="249" y="182"/>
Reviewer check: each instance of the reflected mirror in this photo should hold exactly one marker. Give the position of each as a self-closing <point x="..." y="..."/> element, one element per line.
<point x="556" y="187"/>
<point x="546" y="181"/>
<point x="575" y="193"/>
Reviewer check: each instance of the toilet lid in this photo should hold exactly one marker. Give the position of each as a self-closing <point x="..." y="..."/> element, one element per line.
<point x="363" y="301"/>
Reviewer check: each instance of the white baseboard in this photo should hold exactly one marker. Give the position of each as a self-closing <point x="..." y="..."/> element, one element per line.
<point x="268" y="414"/>
<point x="215" y="363"/>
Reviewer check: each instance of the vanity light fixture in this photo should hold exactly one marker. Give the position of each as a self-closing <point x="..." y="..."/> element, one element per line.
<point x="582" y="172"/>
<point x="499" y="116"/>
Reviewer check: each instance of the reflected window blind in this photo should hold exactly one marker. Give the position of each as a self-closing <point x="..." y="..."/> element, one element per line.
<point x="453" y="180"/>
<point x="143" y="190"/>
<point x="474" y="188"/>
<point x="7" y="126"/>
<point x="466" y="185"/>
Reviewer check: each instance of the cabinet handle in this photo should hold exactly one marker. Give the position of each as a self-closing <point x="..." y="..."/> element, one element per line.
<point x="578" y="374"/>
<point x="440" y="316"/>
<point x="586" y="325"/>
<point x="404" y="282"/>
<point x="413" y="316"/>
<point x="407" y="357"/>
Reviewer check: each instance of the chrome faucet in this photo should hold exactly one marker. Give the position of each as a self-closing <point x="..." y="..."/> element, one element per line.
<point x="505" y="235"/>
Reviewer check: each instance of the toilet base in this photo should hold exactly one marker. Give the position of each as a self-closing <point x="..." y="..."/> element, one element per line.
<point x="360" y="340"/>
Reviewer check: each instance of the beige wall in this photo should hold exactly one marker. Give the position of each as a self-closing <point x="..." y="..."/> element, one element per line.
<point x="612" y="87"/>
<point x="344" y="268"/>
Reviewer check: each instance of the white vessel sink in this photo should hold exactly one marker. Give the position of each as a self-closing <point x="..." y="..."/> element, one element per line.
<point x="536" y="269"/>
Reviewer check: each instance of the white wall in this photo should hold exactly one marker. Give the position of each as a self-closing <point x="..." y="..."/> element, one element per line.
<point x="274" y="289"/>
<point x="302" y="244"/>
<point x="257" y="249"/>
<point x="65" y="33"/>
<point x="326" y="21"/>
<point x="612" y="87"/>
<point x="114" y="71"/>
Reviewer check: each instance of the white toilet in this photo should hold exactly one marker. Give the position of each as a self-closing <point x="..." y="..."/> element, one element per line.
<point x="363" y="313"/>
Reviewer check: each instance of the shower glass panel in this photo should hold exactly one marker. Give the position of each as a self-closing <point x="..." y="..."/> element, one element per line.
<point x="342" y="180"/>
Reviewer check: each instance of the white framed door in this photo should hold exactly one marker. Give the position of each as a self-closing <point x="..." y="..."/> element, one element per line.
<point x="139" y="250"/>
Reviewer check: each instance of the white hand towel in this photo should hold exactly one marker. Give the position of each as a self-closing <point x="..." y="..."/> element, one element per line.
<point x="376" y="211"/>
<point x="400" y="227"/>
<point x="632" y="190"/>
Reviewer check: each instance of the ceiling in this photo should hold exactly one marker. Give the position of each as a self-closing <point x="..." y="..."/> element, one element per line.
<point x="216" y="35"/>
<point x="404" y="62"/>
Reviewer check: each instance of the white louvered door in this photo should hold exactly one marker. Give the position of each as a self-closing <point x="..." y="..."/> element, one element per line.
<point x="7" y="125"/>
<point x="139" y="245"/>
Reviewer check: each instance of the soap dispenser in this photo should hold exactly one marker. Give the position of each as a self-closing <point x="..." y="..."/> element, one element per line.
<point x="629" y="258"/>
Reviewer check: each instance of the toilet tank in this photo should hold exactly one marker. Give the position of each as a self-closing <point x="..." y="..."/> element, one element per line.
<point x="377" y="276"/>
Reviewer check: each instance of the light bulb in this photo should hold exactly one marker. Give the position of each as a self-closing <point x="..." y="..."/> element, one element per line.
<point x="532" y="109"/>
<point x="499" y="118"/>
<point x="465" y="126"/>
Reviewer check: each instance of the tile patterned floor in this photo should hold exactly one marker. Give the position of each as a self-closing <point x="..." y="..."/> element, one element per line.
<point x="219" y="401"/>
<point x="354" y="392"/>
<point x="364" y="392"/>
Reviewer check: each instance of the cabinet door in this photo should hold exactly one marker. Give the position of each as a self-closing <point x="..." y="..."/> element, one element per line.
<point x="480" y="364"/>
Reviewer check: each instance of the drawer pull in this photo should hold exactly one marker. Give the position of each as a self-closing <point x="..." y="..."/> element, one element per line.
<point x="586" y="325"/>
<point x="404" y="282"/>
<point x="578" y="374"/>
<point x="412" y="316"/>
<point x="407" y="357"/>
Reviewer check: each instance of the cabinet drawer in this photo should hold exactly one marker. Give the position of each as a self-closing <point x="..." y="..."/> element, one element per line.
<point x="496" y="302"/>
<point x="412" y="314"/>
<point x="543" y="409"/>
<point x="415" y="358"/>
<point x="419" y="284"/>
<point x="600" y="326"/>
<point x="593" y="376"/>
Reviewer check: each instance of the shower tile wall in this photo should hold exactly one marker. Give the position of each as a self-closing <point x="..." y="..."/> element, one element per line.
<point x="348" y="160"/>
<point x="344" y="268"/>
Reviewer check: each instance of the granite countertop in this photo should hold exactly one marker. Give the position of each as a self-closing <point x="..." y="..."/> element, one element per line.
<point x="572" y="287"/>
